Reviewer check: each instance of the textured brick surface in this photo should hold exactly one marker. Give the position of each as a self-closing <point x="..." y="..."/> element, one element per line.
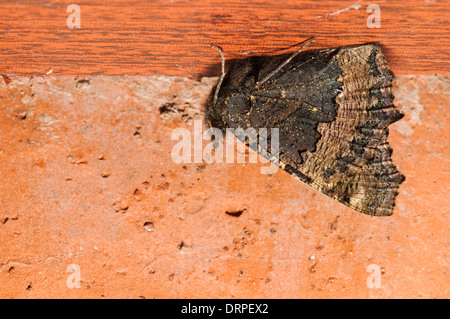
<point x="86" y="178"/>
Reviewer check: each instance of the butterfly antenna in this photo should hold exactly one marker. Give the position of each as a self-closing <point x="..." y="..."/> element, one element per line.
<point x="306" y="43"/>
<point x="219" y="83"/>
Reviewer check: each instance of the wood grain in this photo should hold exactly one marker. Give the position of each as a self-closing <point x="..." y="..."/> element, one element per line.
<point x="173" y="37"/>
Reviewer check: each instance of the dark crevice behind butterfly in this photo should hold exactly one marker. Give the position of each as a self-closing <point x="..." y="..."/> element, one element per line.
<point x="332" y="108"/>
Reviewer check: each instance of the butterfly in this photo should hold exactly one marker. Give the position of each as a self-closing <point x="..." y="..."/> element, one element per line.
<point x="332" y="108"/>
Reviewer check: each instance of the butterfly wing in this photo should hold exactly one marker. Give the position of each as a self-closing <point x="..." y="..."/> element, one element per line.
<point x="333" y="108"/>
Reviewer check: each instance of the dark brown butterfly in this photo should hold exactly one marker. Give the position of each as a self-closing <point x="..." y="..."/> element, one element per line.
<point x="332" y="108"/>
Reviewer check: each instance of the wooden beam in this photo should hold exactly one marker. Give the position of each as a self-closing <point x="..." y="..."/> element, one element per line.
<point x="173" y="37"/>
